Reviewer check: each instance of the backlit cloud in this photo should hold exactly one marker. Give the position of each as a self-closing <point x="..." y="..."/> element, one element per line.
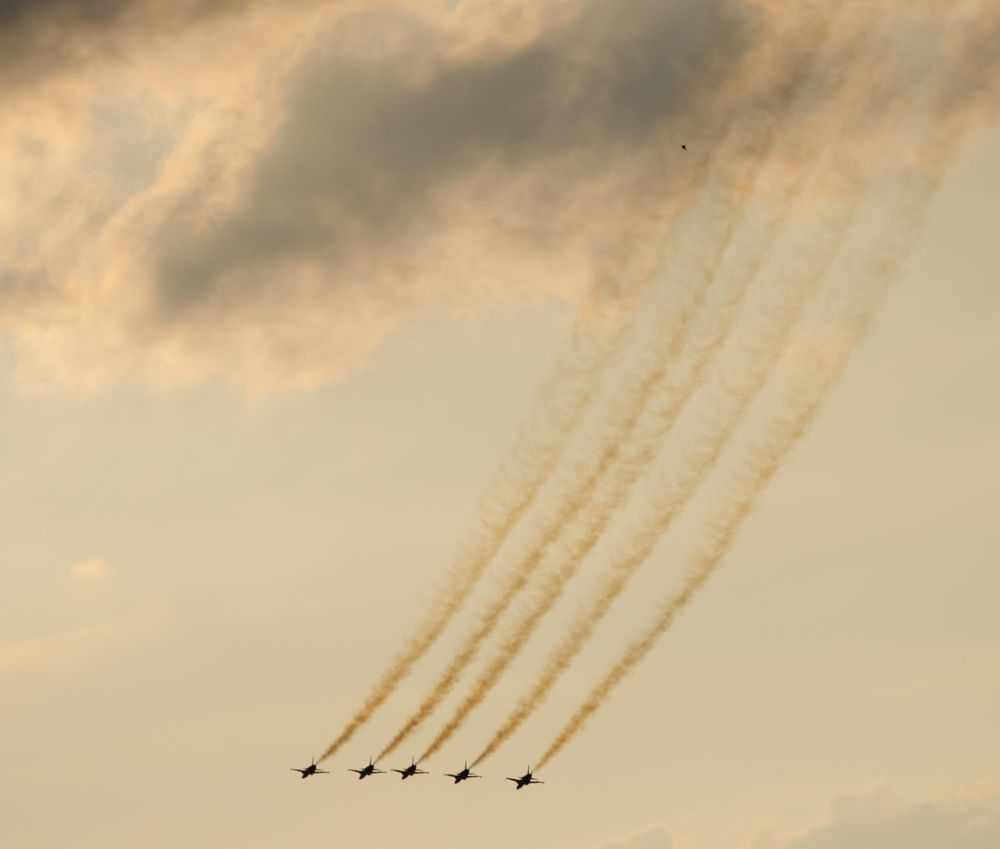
<point x="265" y="194"/>
<point x="648" y="838"/>
<point x="91" y="571"/>
<point x="873" y="819"/>
<point x="880" y="819"/>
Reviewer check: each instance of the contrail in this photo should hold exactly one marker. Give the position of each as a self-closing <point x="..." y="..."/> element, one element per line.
<point x="819" y="368"/>
<point x="719" y="209"/>
<point x="828" y="243"/>
<point x="676" y="318"/>
<point x="571" y="501"/>
<point x="616" y="489"/>
<point x="498" y="523"/>
<point x="642" y="447"/>
<point x="759" y="351"/>
<point x="561" y="402"/>
<point x="560" y="405"/>
<point x="754" y="476"/>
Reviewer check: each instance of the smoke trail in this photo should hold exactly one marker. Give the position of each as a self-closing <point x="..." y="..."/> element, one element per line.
<point x="767" y="347"/>
<point x="675" y="321"/>
<point x="560" y="404"/>
<point x="546" y="532"/>
<point x="724" y="203"/>
<point x="761" y="351"/>
<point x="830" y="239"/>
<point x="820" y="367"/>
<point x="587" y="621"/>
<point x="717" y="214"/>
<point x="769" y="451"/>
<point x="449" y="677"/>
<point x="577" y="492"/>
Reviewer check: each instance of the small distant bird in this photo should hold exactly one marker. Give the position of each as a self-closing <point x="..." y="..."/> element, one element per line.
<point x="684" y="147"/>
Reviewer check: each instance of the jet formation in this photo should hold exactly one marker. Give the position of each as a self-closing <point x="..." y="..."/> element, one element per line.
<point x="463" y="774"/>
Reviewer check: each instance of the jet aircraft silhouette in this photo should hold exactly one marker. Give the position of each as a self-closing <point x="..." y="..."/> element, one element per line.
<point x="312" y="769"/>
<point x="463" y="775"/>
<point x="364" y="772"/>
<point x="525" y="780"/>
<point x="410" y="770"/>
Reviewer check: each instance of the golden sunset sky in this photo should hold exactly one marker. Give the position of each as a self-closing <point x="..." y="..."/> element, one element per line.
<point x="279" y="283"/>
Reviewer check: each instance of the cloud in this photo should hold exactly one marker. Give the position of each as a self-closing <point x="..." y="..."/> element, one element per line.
<point x="274" y="220"/>
<point x="654" y="837"/>
<point x="872" y="819"/>
<point x="92" y="571"/>
<point x="267" y="196"/>
<point x="880" y="819"/>
<point x="372" y="150"/>
<point x="43" y="38"/>
<point x="59" y="651"/>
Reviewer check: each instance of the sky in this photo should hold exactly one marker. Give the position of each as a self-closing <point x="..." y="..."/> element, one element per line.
<point x="280" y="284"/>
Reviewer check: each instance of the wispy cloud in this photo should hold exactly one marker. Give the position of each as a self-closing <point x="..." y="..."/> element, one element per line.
<point x="57" y="651"/>
<point x="881" y="819"/>
<point x="654" y="837"/>
<point x="878" y="818"/>
<point x="91" y="571"/>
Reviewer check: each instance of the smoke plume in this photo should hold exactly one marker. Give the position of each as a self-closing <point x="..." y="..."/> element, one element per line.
<point x="700" y="237"/>
<point x="832" y="199"/>
<point x="818" y="368"/>
<point x="562" y="399"/>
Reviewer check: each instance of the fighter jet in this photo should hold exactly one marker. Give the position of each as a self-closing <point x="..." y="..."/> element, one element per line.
<point x="463" y="775"/>
<point x="364" y="772"/>
<point x="312" y="769"/>
<point x="525" y="780"/>
<point x="410" y="770"/>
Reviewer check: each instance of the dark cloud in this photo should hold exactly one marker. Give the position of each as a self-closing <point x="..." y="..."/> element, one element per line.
<point x="34" y="13"/>
<point x="376" y="133"/>
<point x="39" y="38"/>
<point x="272" y="195"/>
<point x="22" y="288"/>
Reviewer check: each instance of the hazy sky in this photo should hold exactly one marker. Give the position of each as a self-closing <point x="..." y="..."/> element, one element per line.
<point x="277" y="287"/>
